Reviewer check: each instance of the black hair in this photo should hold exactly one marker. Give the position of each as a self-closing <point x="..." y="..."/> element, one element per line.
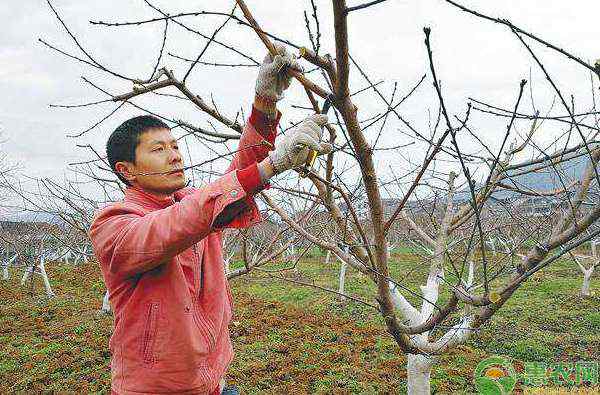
<point x="122" y="143"/>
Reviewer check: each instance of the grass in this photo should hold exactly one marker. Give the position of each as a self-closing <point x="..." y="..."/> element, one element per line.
<point x="292" y="339"/>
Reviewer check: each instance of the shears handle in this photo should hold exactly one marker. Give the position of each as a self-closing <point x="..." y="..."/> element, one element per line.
<point x="312" y="154"/>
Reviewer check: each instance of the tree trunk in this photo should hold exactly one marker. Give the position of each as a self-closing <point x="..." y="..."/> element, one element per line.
<point x="585" y="286"/>
<point x="5" y="274"/>
<point x="28" y="272"/>
<point x="226" y="265"/>
<point x="85" y="255"/>
<point x="342" y="281"/>
<point x="418" y="373"/>
<point x="42" y="269"/>
<point x="105" y="304"/>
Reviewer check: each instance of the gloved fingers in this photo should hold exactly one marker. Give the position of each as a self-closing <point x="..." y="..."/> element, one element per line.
<point x="325" y="149"/>
<point x="301" y="155"/>
<point x="314" y="124"/>
<point x="290" y="62"/>
<point x="277" y="64"/>
<point x="280" y="49"/>
<point x="322" y="148"/>
<point x="297" y="155"/>
<point x="280" y="65"/>
<point x="294" y="64"/>
<point x="311" y="127"/>
<point x="304" y="140"/>
<point x="319" y="119"/>
<point x="284" y="79"/>
<point x="276" y="69"/>
<point x="316" y="120"/>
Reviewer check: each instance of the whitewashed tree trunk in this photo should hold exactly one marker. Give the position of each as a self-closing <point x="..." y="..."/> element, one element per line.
<point x="342" y="281"/>
<point x="419" y="374"/>
<point x="85" y="254"/>
<point x="28" y="272"/>
<point x="78" y="257"/>
<point x="587" y="275"/>
<point x="5" y="273"/>
<point x="227" y="261"/>
<point x="390" y="248"/>
<point x="507" y="246"/>
<point x="342" y="276"/>
<point x="491" y="242"/>
<point x="42" y="269"/>
<point x="587" y="279"/>
<point x="105" y="304"/>
<point x="291" y="251"/>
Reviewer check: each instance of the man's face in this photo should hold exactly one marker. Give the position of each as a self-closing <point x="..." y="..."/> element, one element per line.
<point x="157" y="152"/>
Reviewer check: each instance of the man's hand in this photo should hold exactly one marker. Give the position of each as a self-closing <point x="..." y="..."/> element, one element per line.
<point x="292" y="150"/>
<point x="273" y="78"/>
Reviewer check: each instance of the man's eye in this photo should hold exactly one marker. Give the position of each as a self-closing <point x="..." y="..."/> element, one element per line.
<point x="157" y="149"/>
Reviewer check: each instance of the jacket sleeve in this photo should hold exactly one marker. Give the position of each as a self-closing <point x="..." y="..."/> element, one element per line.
<point x="127" y="242"/>
<point x="258" y="138"/>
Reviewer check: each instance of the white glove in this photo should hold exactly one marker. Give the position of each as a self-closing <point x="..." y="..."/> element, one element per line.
<point x="292" y="151"/>
<point x="270" y="82"/>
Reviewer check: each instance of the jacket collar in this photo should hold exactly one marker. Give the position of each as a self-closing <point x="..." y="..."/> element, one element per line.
<point x="146" y="199"/>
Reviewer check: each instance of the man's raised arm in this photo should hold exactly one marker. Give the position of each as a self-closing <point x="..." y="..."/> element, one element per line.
<point x="130" y="241"/>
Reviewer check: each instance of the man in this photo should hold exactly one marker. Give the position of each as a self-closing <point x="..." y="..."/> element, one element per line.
<point x="160" y="248"/>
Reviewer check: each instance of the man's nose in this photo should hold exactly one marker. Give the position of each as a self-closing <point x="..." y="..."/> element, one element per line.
<point x="175" y="156"/>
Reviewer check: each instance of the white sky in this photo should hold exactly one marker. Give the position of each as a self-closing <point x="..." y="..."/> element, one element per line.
<point x="473" y="58"/>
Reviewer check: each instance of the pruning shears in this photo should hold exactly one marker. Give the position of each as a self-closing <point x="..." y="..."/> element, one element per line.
<point x="312" y="154"/>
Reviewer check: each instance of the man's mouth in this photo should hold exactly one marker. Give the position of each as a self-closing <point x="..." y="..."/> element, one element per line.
<point x="178" y="172"/>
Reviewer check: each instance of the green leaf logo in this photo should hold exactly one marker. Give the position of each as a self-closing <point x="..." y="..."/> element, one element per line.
<point x="495" y="376"/>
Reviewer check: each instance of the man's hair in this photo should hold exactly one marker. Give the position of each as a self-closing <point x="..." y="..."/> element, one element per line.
<point x="122" y="143"/>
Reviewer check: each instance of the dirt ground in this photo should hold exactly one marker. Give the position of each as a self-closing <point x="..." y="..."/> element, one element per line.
<point x="285" y="343"/>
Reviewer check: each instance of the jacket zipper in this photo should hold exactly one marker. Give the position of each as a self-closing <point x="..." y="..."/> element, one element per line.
<point x="199" y="271"/>
<point x="150" y="333"/>
<point x="201" y="320"/>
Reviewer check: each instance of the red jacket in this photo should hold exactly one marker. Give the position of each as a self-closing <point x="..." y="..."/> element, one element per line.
<point x="162" y="264"/>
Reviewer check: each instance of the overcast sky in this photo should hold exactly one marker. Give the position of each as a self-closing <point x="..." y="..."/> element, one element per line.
<point x="474" y="58"/>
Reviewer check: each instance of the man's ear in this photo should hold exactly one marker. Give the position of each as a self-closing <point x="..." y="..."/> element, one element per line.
<point x="126" y="170"/>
